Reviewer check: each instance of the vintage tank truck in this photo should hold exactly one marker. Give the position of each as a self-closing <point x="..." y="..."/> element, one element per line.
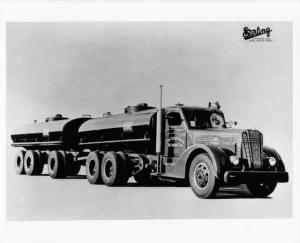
<point x="189" y="144"/>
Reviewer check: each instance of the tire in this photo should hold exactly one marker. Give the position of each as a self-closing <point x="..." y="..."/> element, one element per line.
<point x="93" y="168"/>
<point x="41" y="159"/>
<point x="112" y="169"/>
<point x="261" y="188"/>
<point x="126" y="171"/>
<point x="32" y="163"/>
<point x="56" y="164"/>
<point x="202" y="176"/>
<point x="265" y="187"/>
<point x="19" y="162"/>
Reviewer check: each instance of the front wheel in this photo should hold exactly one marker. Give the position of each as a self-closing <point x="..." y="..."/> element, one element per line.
<point x="202" y="176"/>
<point x="261" y="188"/>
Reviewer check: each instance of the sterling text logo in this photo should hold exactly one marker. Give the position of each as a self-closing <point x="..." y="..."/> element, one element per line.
<point x="258" y="34"/>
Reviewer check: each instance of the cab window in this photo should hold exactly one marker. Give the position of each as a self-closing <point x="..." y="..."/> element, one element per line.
<point x="174" y="119"/>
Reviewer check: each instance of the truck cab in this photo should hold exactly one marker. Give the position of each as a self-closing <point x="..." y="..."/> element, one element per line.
<point x="182" y="124"/>
<point x="198" y="141"/>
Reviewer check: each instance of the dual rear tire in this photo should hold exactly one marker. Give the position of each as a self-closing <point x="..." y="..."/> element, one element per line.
<point x="19" y="162"/>
<point x="109" y="169"/>
<point x="56" y="164"/>
<point x="61" y="164"/>
<point x="29" y="162"/>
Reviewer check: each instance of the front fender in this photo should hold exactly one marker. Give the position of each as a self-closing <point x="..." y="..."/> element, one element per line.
<point x="216" y="154"/>
<point x="272" y="152"/>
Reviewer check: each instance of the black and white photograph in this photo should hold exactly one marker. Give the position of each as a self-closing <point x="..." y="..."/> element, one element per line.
<point x="141" y="120"/>
<point x="149" y="121"/>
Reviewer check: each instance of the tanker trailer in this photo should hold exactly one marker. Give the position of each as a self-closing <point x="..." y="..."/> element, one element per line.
<point x="52" y="142"/>
<point x="119" y="145"/>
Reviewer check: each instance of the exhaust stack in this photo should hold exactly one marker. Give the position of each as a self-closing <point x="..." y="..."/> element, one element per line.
<point x="158" y="125"/>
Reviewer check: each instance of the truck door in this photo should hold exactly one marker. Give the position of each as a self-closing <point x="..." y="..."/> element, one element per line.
<point x="175" y="136"/>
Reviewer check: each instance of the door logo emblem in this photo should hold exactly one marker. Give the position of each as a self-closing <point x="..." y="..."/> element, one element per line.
<point x="175" y="142"/>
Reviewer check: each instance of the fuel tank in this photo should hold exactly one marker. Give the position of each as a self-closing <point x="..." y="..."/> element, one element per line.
<point x="57" y="131"/>
<point x="132" y="131"/>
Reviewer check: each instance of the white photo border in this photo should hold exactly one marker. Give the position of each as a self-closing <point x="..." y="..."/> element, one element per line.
<point x="205" y="230"/>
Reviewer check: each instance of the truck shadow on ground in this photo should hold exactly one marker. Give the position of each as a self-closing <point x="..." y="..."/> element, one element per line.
<point x="238" y="192"/>
<point x="68" y="177"/>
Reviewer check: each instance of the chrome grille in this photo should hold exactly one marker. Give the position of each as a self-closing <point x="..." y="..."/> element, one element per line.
<point x="252" y="141"/>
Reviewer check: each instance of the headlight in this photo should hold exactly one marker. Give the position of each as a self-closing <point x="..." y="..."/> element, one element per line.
<point x="272" y="161"/>
<point x="234" y="159"/>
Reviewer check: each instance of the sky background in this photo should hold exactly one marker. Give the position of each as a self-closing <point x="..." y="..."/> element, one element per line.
<point x="92" y="68"/>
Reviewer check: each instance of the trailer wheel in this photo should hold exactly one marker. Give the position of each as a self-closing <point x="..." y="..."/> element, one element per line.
<point x="41" y="161"/>
<point x="112" y="169"/>
<point x="56" y="164"/>
<point x="19" y="162"/>
<point x="70" y="167"/>
<point x="202" y="176"/>
<point x="261" y="188"/>
<point x="93" y="168"/>
<point x="32" y="163"/>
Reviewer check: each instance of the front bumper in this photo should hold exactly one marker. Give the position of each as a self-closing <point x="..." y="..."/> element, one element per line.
<point x="245" y="176"/>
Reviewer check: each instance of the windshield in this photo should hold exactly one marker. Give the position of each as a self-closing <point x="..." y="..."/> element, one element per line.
<point x="201" y="119"/>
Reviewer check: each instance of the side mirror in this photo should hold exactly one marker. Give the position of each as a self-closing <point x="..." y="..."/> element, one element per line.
<point x="174" y="119"/>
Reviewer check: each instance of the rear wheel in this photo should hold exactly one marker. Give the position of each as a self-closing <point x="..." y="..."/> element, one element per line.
<point x="19" y="162"/>
<point x="56" y="164"/>
<point x="202" y="176"/>
<point x="32" y="163"/>
<point x="261" y="188"/>
<point x="93" y="168"/>
<point x="112" y="169"/>
<point x="126" y="171"/>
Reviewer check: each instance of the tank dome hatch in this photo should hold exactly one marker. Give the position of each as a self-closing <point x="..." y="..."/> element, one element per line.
<point x="136" y="108"/>
<point x="57" y="117"/>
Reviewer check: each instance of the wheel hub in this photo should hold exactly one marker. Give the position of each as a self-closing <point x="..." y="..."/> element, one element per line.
<point x="109" y="168"/>
<point x="18" y="162"/>
<point x="52" y="164"/>
<point x="92" y="167"/>
<point x="28" y="162"/>
<point x="201" y="175"/>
